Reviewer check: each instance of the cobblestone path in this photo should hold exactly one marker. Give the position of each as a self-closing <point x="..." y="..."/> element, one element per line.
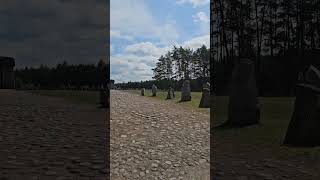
<point x="49" y="138"/>
<point x="157" y="139"/>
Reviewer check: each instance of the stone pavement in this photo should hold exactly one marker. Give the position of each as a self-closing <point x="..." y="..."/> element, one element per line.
<point x="49" y="138"/>
<point x="157" y="139"/>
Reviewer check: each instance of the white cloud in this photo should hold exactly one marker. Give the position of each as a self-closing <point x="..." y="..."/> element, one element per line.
<point x="146" y="48"/>
<point x="197" y="42"/>
<point x="195" y="3"/>
<point x="117" y="35"/>
<point x="201" y="17"/>
<point x="129" y="67"/>
<point x="133" y="18"/>
<point x="168" y="33"/>
<point x="203" y="20"/>
<point x="137" y="60"/>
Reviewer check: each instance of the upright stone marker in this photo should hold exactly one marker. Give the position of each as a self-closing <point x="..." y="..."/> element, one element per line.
<point x="243" y="107"/>
<point x="173" y="95"/>
<point x="205" y="99"/>
<point x="104" y="97"/>
<point x="170" y="94"/>
<point x="7" y="76"/>
<point x="154" y="90"/>
<point x="142" y="91"/>
<point x="304" y="127"/>
<point x="186" y="91"/>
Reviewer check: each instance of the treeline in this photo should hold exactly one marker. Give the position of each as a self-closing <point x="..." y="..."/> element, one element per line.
<point x="195" y="84"/>
<point x="63" y="76"/>
<point x="279" y="35"/>
<point x="175" y="66"/>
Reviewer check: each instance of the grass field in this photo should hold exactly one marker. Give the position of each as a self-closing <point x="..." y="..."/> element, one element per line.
<point x="264" y="139"/>
<point x="162" y="95"/>
<point x="87" y="97"/>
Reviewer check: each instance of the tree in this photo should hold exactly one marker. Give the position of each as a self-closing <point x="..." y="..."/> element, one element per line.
<point x="160" y="69"/>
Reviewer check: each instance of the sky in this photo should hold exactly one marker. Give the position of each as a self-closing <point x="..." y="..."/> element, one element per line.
<point x="47" y="32"/>
<point x="143" y="30"/>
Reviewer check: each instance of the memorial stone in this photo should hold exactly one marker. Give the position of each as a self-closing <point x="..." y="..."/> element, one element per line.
<point x="304" y="126"/>
<point x="243" y="107"/>
<point x="186" y="91"/>
<point x="205" y="99"/>
<point x="154" y="90"/>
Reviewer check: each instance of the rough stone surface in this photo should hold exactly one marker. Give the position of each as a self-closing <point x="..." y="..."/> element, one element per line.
<point x="50" y="138"/>
<point x="186" y="91"/>
<point x="163" y="140"/>
<point x="205" y="98"/>
<point x="154" y="90"/>
<point x="243" y="108"/>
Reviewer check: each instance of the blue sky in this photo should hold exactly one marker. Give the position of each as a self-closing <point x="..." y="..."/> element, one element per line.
<point x="143" y="30"/>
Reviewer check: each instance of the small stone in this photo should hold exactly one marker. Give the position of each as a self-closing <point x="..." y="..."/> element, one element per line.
<point x="12" y="157"/>
<point x="75" y="171"/>
<point x="98" y="162"/>
<point x="95" y="167"/>
<point x="154" y="165"/>
<point x="219" y="173"/>
<point x="242" y="178"/>
<point x="202" y="161"/>
<point x="57" y="163"/>
<point x="50" y="173"/>
<point x="103" y="171"/>
<point x="74" y="158"/>
<point x="85" y="164"/>
<point x="63" y="178"/>
<point x="264" y="176"/>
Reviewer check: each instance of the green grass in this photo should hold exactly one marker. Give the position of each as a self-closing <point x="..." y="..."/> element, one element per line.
<point x="162" y="95"/>
<point x="86" y="97"/>
<point x="265" y="139"/>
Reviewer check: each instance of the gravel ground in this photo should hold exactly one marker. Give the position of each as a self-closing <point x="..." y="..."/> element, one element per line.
<point x="49" y="138"/>
<point x="157" y="139"/>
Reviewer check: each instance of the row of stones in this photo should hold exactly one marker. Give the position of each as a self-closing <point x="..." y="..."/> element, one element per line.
<point x="185" y="93"/>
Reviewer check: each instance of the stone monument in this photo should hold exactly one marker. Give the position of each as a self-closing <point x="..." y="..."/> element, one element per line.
<point x="205" y="98"/>
<point x="170" y="94"/>
<point x="154" y="90"/>
<point x="7" y="78"/>
<point x="173" y="95"/>
<point x="186" y="91"/>
<point x="304" y="127"/>
<point x="104" y="97"/>
<point x="243" y="107"/>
